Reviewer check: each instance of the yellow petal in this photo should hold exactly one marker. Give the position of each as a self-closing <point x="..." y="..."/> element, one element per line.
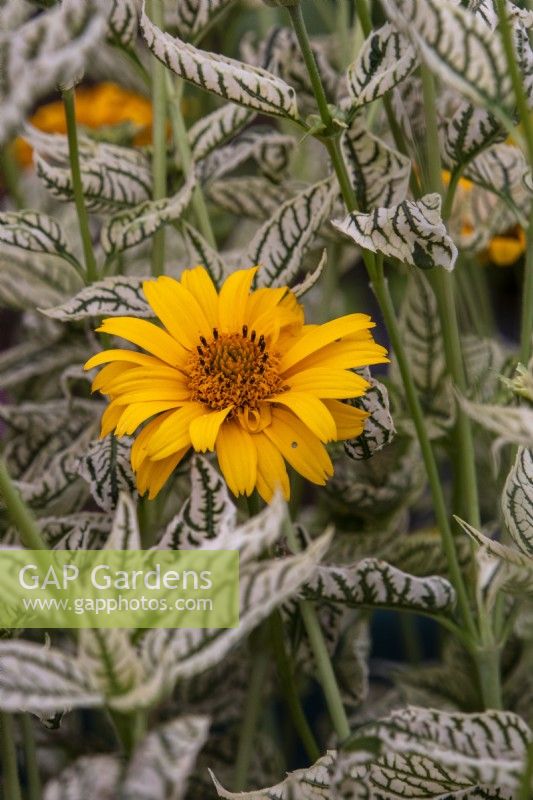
<point x="174" y="434"/>
<point x="178" y="310"/>
<point x="233" y="299"/>
<point x="110" y="418"/>
<point x="311" y="411"/>
<point x="142" y="378"/>
<point x="237" y="457"/>
<point x="350" y="421"/>
<point x="153" y="475"/>
<point x="204" y="430"/>
<point x="138" y="449"/>
<point x="128" y="356"/>
<point x="109" y="373"/>
<point x="156" y="390"/>
<point x="136" y="413"/>
<point x="324" y="382"/>
<point x="202" y="288"/>
<point x="271" y="470"/>
<point x="146" y="335"/>
<point x="320" y="335"/>
<point x="301" y="448"/>
<point x="346" y="354"/>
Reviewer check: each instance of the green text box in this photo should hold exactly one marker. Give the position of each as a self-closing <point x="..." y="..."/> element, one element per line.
<point x="119" y="589"/>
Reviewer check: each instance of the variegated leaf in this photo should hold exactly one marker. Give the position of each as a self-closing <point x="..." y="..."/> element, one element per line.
<point x="311" y="783"/>
<point x="42" y="680"/>
<point x="517" y="500"/>
<point x="270" y="149"/>
<point x="86" y="530"/>
<point x="123" y="21"/>
<point x="106" y="468"/>
<point x="38" y="357"/>
<point x="380" y="176"/>
<point x="385" y="59"/>
<point x="233" y="80"/>
<point x="509" y="423"/>
<point x="110" y="660"/>
<point x="112" y="297"/>
<point x="200" y="252"/>
<point x="459" y="46"/>
<point x="162" y="762"/>
<point x="172" y="655"/>
<point x="206" y="511"/>
<point x="48" y="49"/>
<point x="249" y="196"/>
<point x="497" y="550"/>
<point x="59" y="488"/>
<point x="485" y="748"/>
<point x="374" y="583"/>
<point x="28" y="280"/>
<point x="311" y="278"/>
<point x="420" y="553"/>
<point x="280" y="244"/>
<point x="422" y="338"/>
<point x="216" y="128"/>
<point x="412" y="232"/>
<point x="379" y="428"/>
<point x="192" y="19"/>
<point x="125" y="534"/>
<point x="113" y="177"/>
<point x="36" y="232"/>
<point x="467" y="133"/>
<point x="500" y="168"/>
<point x="90" y="776"/>
<point x="379" y="487"/>
<point x="135" y="225"/>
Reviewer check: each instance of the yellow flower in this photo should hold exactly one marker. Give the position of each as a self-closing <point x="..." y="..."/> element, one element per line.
<point x="103" y="105"/>
<point x="237" y="372"/>
<point x="505" y="249"/>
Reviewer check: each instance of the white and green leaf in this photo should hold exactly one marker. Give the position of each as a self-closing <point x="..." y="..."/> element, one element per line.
<point x="373" y="583"/>
<point x="106" y="468"/>
<point x="42" y="680"/>
<point x="250" y="196"/>
<point x="230" y="79"/>
<point x="379" y="175"/>
<point x="116" y="296"/>
<point x="413" y="232"/>
<point x="216" y="128"/>
<point x="517" y="500"/>
<point x="29" y="280"/>
<point x="89" y="776"/>
<point x="200" y="252"/>
<point x="123" y="21"/>
<point x="386" y="58"/>
<point x="192" y="19"/>
<point x="125" y="533"/>
<point x="134" y="225"/>
<point x="163" y="760"/>
<point x="379" y="427"/>
<point x="280" y="244"/>
<point x="36" y="232"/>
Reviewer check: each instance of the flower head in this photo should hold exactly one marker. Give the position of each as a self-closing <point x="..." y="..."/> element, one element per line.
<point x="237" y="372"/>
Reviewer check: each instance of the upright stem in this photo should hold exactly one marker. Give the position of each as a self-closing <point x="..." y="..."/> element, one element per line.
<point x="326" y="674"/>
<point x="252" y="711"/>
<point x="442" y="282"/>
<point x="9" y="172"/>
<point x="290" y="689"/>
<point x="159" y="138"/>
<point x="181" y="141"/>
<point x="526" y="330"/>
<point x="310" y="62"/>
<point x="9" y="758"/>
<point x="19" y="512"/>
<point x="77" y="187"/>
<point x="33" y="779"/>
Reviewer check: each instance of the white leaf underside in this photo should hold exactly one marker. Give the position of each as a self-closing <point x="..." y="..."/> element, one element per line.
<point x="112" y="297"/>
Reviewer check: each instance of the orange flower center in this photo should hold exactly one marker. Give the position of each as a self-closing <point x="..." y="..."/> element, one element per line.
<point x="233" y="369"/>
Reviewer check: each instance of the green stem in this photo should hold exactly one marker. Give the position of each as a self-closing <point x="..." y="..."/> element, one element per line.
<point x="77" y="186"/>
<point x="524" y="791"/>
<point x="10" y="175"/>
<point x="526" y="329"/>
<point x="375" y="270"/>
<point x="290" y="689"/>
<point x="33" y="779"/>
<point x="442" y="282"/>
<point x="325" y="671"/>
<point x="252" y="712"/>
<point x="181" y="140"/>
<point x="488" y="669"/>
<point x="19" y="512"/>
<point x="129" y="729"/>
<point x="159" y="138"/>
<point x="9" y="758"/>
<point x="310" y="62"/>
